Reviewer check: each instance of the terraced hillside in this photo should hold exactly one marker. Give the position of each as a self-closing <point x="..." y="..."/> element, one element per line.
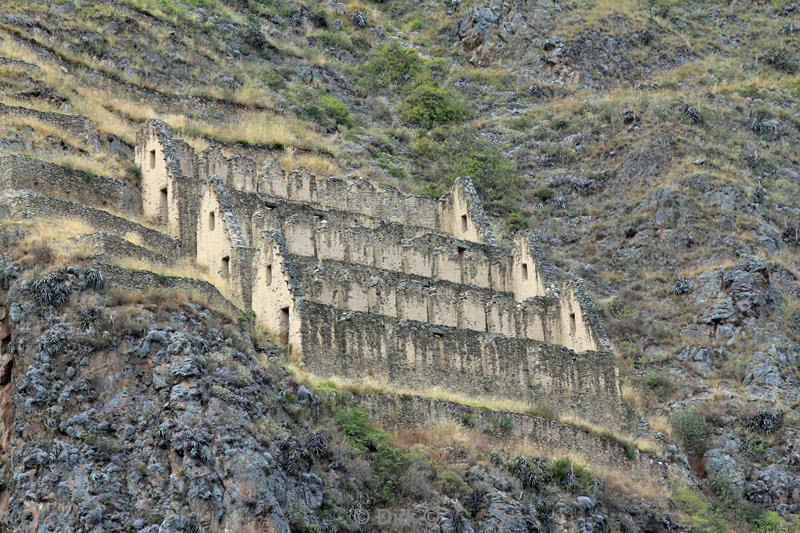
<point x="650" y="145"/>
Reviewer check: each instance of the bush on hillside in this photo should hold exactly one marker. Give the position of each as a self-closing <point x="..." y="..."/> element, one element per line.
<point x="429" y="105"/>
<point x="391" y="65"/>
<point x="693" y="431"/>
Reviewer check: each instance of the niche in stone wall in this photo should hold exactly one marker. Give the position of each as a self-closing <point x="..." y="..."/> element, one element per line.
<point x="268" y="275"/>
<point x="525" y="271"/>
<point x="152" y="159"/>
<point x="225" y="271"/>
<point x="284" y="326"/>
<point x="463" y="222"/>
<point x="162" y="204"/>
<point x="211" y="221"/>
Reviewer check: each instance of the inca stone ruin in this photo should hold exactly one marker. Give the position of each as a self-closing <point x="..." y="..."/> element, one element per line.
<point x="360" y="282"/>
<point x="369" y="282"/>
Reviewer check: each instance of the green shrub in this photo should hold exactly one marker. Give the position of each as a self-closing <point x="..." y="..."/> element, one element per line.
<point x="391" y="65"/>
<point x="224" y="394"/>
<point x="543" y="193"/>
<point x="450" y="483"/>
<point x="496" y="178"/>
<point x="387" y="460"/>
<point x="654" y="380"/>
<point x="505" y="424"/>
<point x="770" y="522"/>
<point x="334" y="108"/>
<point x="725" y="489"/>
<point x="572" y="476"/>
<point x="693" y="430"/>
<point x="336" y="39"/>
<point x="429" y="105"/>
<point x="632" y="352"/>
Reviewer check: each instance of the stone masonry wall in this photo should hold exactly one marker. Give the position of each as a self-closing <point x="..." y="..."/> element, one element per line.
<point x="400" y="295"/>
<point x="418" y="355"/>
<point x="362" y="281"/>
<point x="220" y="244"/>
<point x="25" y="204"/>
<point x="406" y="412"/>
<point x="459" y="213"/>
<point x="18" y="172"/>
<point x="107" y="246"/>
<point x="277" y="295"/>
<point x="142" y="280"/>
<point x="79" y="126"/>
<point x="391" y="247"/>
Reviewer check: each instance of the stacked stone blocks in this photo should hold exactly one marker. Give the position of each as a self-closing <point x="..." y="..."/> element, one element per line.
<point x="370" y="282"/>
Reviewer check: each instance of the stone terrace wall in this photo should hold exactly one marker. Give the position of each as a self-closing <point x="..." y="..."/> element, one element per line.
<point x="237" y="172"/>
<point x="391" y="247"/>
<point x="418" y="355"/>
<point x="108" y="246"/>
<point x="220" y="243"/>
<point x="142" y="280"/>
<point x="458" y="214"/>
<point x="399" y="295"/>
<point x="25" y="204"/>
<point x="354" y="195"/>
<point x="414" y="411"/>
<point x="18" y="172"/>
<point x="76" y="125"/>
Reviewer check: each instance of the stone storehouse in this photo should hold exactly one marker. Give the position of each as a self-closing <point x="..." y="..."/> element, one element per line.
<point x="362" y="281"/>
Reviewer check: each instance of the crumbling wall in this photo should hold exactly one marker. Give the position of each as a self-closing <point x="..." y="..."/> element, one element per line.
<point x="186" y="157"/>
<point x="238" y="173"/>
<point x="417" y="355"/>
<point x="529" y="277"/>
<point x="76" y="125"/>
<point x="355" y="287"/>
<point x="143" y="280"/>
<point x="18" y="172"/>
<point x="385" y="203"/>
<point x="391" y="247"/>
<point x="108" y="246"/>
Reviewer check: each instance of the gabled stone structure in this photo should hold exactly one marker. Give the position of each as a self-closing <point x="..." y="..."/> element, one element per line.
<point x="364" y="281"/>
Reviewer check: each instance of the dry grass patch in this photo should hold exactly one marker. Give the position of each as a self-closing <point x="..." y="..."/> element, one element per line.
<point x="441" y="437"/>
<point x="316" y="164"/>
<point x="133" y="238"/>
<point x="632" y="396"/>
<point x="661" y="424"/>
<point x="690" y="272"/>
<point x="261" y="128"/>
<point x="50" y="242"/>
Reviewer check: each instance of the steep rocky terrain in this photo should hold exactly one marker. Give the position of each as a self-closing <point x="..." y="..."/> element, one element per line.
<point x="652" y="144"/>
<point x="136" y="412"/>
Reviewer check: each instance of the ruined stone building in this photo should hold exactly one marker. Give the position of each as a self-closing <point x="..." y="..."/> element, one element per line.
<point x="369" y="282"/>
